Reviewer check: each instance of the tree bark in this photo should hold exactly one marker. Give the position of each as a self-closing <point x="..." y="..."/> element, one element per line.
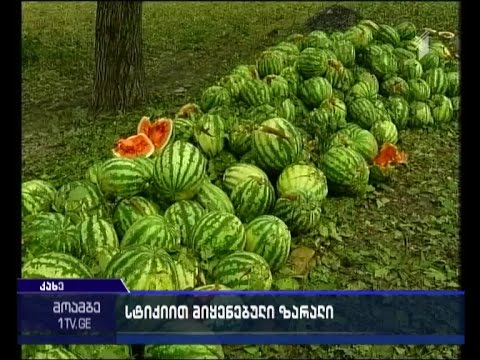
<point x="119" y="69"/>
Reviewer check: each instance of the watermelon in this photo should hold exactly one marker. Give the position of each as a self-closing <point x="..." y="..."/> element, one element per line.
<point x="406" y="30"/>
<point x="300" y="215"/>
<point x="233" y="83"/>
<point x="358" y="139"/>
<point x="212" y="198"/>
<point x="441" y="50"/>
<point x="213" y="97"/>
<point x="399" y="109"/>
<point x="442" y="108"/>
<point x="47" y="232"/>
<point x="98" y="241"/>
<point x="78" y="200"/>
<point x="277" y="143"/>
<point x="302" y="180"/>
<point x="289" y="48"/>
<point x="453" y="84"/>
<point x="430" y="61"/>
<point x="217" y="166"/>
<point x="252" y="197"/>
<point x="238" y="173"/>
<point x="362" y="89"/>
<point x="271" y="62"/>
<point x="239" y="139"/>
<point x="419" y="90"/>
<point x="180" y="351"/>
<point x="54" y="265"/>
<point x="187" y="268"/>
<point x="134" y="146"/>
<point x="130" y="210"/>
<point x="345" y="52"/>
<point x="317" y="39"/>
<point x="287" y="110"/>
<point x="359" y="35"/>
<point x="346" y="170"/>
<point x="383" y="64"/>
<point x="411" y="69"/>
<point x="436" y="80"/>
<point x="248" y="72"/>
<point x="183" y="129"/>
<point x="312" y="62"/>
<point x="420" y="115"/>
<point x="158" y="132"/>
<point x="336" y="111"/>
<point x="387" y="34"/>
<point x="143" y="268"/>
<point x="37" y="196"/>
<point x="385" y="132"/>
<point x="184" y="214"/>
<point x="243" y="270"/>
<point x="403" y="55"/>
<point x="255" y="93"/>
<point x="394" y="86"/>
<point x="122" y="177"/>
<point x="373" y="26"/>
<point x="370" y="79"/>
<point x="209" y="133"/>
<point x="363" y="112"/>
<point x="154" y="231"/>
<point x="179" y="171"/>
<point x="93" y="172"/>
<point x="102" y="351"/>
<point x="314" y="90"/>
<point x="269" y="237"/>
<point x="291" y="75"/>
<point x="279" y="87"/>
<point x="217" y="233"/>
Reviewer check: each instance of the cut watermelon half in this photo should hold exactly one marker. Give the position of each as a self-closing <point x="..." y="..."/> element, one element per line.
<point x="134" y="146"/>
<point x="159" y="131"/>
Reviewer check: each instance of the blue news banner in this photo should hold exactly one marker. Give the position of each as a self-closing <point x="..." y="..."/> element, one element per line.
<point x="106" y="312"/>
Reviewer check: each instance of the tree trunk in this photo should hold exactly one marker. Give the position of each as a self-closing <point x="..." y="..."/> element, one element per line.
<point x="119" y="70"/>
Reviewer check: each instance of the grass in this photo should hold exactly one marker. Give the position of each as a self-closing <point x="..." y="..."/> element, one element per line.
<point x="404" y="236"/>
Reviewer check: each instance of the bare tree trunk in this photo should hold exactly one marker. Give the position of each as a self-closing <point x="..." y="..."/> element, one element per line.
<point x="119" y="70"/>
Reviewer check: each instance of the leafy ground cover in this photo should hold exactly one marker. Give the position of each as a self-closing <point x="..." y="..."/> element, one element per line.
<point x="403" y="236"/>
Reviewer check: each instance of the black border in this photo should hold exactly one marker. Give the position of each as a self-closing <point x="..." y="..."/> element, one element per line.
<point x="471" y="349"/>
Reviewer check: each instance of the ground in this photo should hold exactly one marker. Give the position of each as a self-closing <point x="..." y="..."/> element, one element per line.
<point x="403" y="236"/>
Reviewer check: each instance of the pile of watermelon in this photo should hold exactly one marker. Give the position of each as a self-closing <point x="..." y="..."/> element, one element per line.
<point x="215" y="198"/>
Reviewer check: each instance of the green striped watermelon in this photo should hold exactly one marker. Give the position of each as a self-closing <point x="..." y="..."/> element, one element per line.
<point x="102" y="351"/>
<point x="345" y="169"/>
<point x="154" y="231"/>
<point x="187" y="269"/>
<point x="436" y="80"/>
<point x="399" y="110"/>
<point x="233" y="83"/>
<point x="269" y="237"/>
<point x="345" y="52"/>
<point x="334" y="73"/>
<point x="143" y="268"/>
<point x="54" y="265"/>
<point x="130" y="210"/>
<point x="180" y="171"/>
<point x="420" y="115"/>
<point x="37" y="196"/>
<point x="238" y="173"/>
<point x="312" y="62"/>
<point x="252" y="197"/>
<point x="209" y="133"/>
<point x="394" y="85"/>
<point x="437" y="47"/>
<point x="289" y="48"/>
<point x="292" y="76"/>
<point x="277" y="143"/>
<point x="453" y="87"/>
<point x="184" y="214"/>
<point x="406" y="30"/>
<point x="358" y="139"/>
<point x="182" y="129"/>
<point x="47" y="232"/>
<point x="214" y="96"/>
<point x="301" y="215"/>
<point x="373" y="26"/>
<point x="212" y="198"/>
<point x="419" y="90"/>
<point x="411" y="69"/>
<point x="243" y="270"/>
<point x="360" y="36"/>
<point x="33" y="205"/>
<point x="314" y="90"/>
<point x="217" y="233"/>
<point x="385" y="132"/>
<point x="383" y="64"/>
<point x="180" y="351"/>
<point x="98" y="241"/>
<point x="122" y="177"/>
<point x="442" y="108"/>
<point x="239" y="138"/>
<point x="363" y="112"/>
<point x="387" y="34"/>
<point x="362" y="90"/>
<point x="317" y="39"/>
<point x="248" y="72"/>
<point x="255" y="93"/>
<point x="304" y="180"/>
<point x="279" y="87"/>
<point x="271" y="62"/>
<point x="287" y="110"/>
<point x="430" y="61"/>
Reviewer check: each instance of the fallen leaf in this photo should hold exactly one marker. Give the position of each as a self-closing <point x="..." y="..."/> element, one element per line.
<point x="301" y="259"/>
